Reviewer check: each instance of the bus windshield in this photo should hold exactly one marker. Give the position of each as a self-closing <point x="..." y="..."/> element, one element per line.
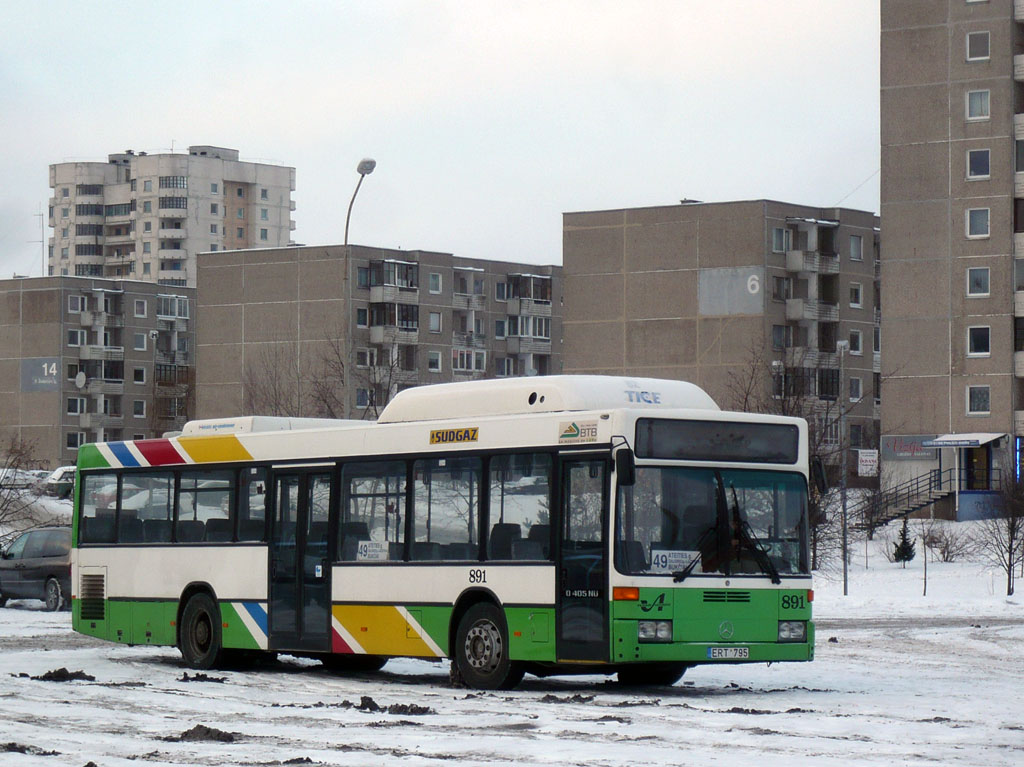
<point x="683" y="521"/>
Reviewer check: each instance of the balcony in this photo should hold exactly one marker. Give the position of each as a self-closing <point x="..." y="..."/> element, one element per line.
<point x="1018" y="67"/>
<point x="393" y="294"/>
<point x="99" y="420"/>
<point x="1018" y="126"/>
<point x="1018" y="303"/>
<point x="876" y="362"/>
<point x="808" y="261"/>
<point x="468" y="301"/>
<point x="1018" y="364"/>
<point x="98" y="386"/>
<point x="1018" y="244"/>
<point x="172" y="234"/>
<point x="518" y="345"/>
<point x="170" y="324"/>
<point x="112" y="353"/>
<point x="1018" y="422"/>
<point x="534" y="308"/>
<point x="469" y="340"/>
<point x="390" y="334"/>
<point x="91" y="319"/>
<point x="172" y="358"/>
<point x="810" y="309"/>
<point x="179" y="254"/>
<point x="806" y="357"/>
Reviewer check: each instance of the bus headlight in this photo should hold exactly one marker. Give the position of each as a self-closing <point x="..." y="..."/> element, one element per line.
<point x="654" y="631"/>
<point x="792" y="631"/>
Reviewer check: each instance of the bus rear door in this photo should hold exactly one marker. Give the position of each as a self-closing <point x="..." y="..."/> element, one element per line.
<point x="300" y="571"/>
<point x="582" y="625"/>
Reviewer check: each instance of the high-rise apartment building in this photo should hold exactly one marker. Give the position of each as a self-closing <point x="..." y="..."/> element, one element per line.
<point x="88" y="359"/>
<point x="952" y="183"/>
<point x="754" y="301"/>
<point x="146" y="216"/>
<point x="336" y="331"/>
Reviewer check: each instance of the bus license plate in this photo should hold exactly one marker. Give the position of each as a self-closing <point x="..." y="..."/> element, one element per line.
<point x="728" y="652"/>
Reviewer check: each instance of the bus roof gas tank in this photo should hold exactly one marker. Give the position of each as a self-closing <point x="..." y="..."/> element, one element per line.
<point x="251" y="424"/>
<point x="542" y="394"/>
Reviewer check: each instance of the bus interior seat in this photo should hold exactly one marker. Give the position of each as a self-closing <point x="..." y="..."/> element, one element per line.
<point x="524" y="548"/>
<point x="218" y="529"/>
<point x="106" y="511"/>
<point x="251" y="530"/>
<point x="129" y="528"/>
<point x="156" y="531"/>
<point x="541" y="534"/>
<point x="98" y="529"/>
<point x="630" y="556"/>
<point x="190" y="530"/>
<point x="500" y="541"/>
<point x="461" y="551"/>
<point x="426" y="551"/>
<point x="396" y="551"/>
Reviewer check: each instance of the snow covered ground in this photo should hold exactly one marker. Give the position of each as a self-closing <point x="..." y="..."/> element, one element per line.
<point x="907" y="680"/>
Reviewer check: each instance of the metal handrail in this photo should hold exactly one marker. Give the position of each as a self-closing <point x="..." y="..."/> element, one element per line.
<point x="933" y="482"/>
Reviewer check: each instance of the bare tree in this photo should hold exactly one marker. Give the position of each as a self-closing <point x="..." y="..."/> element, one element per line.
<point x="17" y="512"/>
<point x="1000" y="539"/>
<point x="270" y="381"/>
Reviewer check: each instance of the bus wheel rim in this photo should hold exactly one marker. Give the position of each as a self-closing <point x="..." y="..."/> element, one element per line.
<point x="483" y="646"/>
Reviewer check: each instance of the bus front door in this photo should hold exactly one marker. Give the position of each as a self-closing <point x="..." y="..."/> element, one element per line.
<point x="582" y="625"/>
<point x="300" y="571"/>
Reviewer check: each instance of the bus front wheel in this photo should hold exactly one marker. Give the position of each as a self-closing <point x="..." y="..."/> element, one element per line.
<point x="481" y="650"/>
<point x="200" y="639"/>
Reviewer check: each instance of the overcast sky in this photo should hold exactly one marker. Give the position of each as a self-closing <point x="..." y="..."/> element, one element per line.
<point x="488" y="120"/>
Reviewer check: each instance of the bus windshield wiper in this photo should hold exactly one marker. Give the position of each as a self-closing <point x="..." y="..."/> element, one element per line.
<point x="681" y="575"/>
<point x="747" y="538"/>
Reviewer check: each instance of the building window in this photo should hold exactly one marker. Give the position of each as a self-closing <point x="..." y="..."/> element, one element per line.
<point x="76" y="405"/>
<point x="73" y="370"/>
<point x="139" y="408"/>
<point x="75" y="439"/>
<point x="145" y="268"/>
<point x="264" y="195"/>
<point x="435" y="282"/>
<point x="782" y="288"/>
<point x="173" y="182"/>
<point x="214" y="209"/>
<point x="780" y="239"/>
<point x="140" y="342"/>
<point x="505" y="366"/>
<point x="466" y="360"/>
<point x="501" y="291"/>
<point x="147" y="186"/>
<point x="499" y="328"/>
<point x="856" y="346"/>
<point x="977" y="222"/>
<point x="147" y="226"/>
<point x="855" y="389"/>
<point x="856" y="292"/>
<point x="264" y="214"/>
<point x="856" y="435"/>
<point x="435" y="322"/>
<point x="139" y="375"/>
<point x="977" y="46"/>
<point x="140" y="307"/>
<point x="213" y="188"/>
<point x="434" y="362"/>
<point x="978" y="400"/>
<point x="240" y="192"/>
<point x="362" y="318"/>
<point x="77" y="304"/>
<point x="978" y="341"/>
<point x="978" y="164"/>
<point x="147" y="247"/>
<point x="240" y="212"/>
<point x="856" y="247"/>
<point x="63" y="252"/>
<point x="978" y="105"/>
<point x="977" y="281"/>
<point x="364" y="398"/>
<point x="240" y="232"/>
<point x="77" y="338"/>
<point x="542" y="327"/>
<point x="363" y="276"/>
<point x="147" y="206"/>
<point x="263" y="235"/>
<point x="366" y="358"/>
<point x="782" y="336"/>
<point x="877" y="339"/>
<point x="878" y="387"/>
<point x="213" y="229"/>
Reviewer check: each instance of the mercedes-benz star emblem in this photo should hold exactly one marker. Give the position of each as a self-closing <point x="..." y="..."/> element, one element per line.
<point x="725" y="629"/>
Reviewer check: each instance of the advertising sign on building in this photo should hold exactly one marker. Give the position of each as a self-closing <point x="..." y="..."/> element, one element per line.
<point x="908" y="447"/>
<point x="867" y="463"/>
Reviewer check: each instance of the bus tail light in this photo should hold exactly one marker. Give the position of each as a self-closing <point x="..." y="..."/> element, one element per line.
<point x="810" y="595"/>
<point x="626" y="594"/>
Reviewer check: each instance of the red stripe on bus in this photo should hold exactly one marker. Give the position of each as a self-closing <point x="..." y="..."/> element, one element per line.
<point x="338" y="644"/>
<point x="159" y="452"/>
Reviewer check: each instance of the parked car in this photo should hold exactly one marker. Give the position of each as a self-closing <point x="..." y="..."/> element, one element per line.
<point x="60" y="482"/>
<point x="37" y="565"/>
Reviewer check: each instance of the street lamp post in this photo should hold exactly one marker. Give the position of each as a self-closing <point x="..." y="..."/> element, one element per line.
<point x="841" y="347"/>
<point x="364" y="169"/>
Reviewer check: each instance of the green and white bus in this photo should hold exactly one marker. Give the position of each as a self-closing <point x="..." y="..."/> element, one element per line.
<point x="558" y="524"/>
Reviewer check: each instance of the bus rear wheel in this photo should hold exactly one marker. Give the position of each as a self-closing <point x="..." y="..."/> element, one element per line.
<point x="481" y="650"/>
<point x="651" y="674"/>
<point x="200" y="638"/>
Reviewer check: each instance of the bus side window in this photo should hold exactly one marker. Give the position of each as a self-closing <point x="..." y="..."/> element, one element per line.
<point x="446" y="494"/>
<point x="252" y="508"/>
<point x="372" y="527"/>
<point x="97" y="504"/>
<point x="520" y="518"/>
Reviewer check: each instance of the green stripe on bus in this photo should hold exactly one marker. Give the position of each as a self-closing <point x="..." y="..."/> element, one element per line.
<point x="89" y="457"/>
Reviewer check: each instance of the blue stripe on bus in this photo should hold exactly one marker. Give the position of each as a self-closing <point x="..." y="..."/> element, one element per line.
<point x="123" y="454"/>
<point x="258" y="613"/>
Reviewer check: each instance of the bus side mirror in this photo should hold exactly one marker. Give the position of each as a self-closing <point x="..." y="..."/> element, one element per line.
<point x="625" y="467"/>
<point x="818" y="474"/>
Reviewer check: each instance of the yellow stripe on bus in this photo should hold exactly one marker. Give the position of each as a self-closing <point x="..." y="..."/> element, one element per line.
<point x="223" y="447"/>
<point x="383" y="630"/>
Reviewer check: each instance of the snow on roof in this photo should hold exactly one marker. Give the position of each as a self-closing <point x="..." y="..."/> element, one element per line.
<point x="542" y="394"/>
